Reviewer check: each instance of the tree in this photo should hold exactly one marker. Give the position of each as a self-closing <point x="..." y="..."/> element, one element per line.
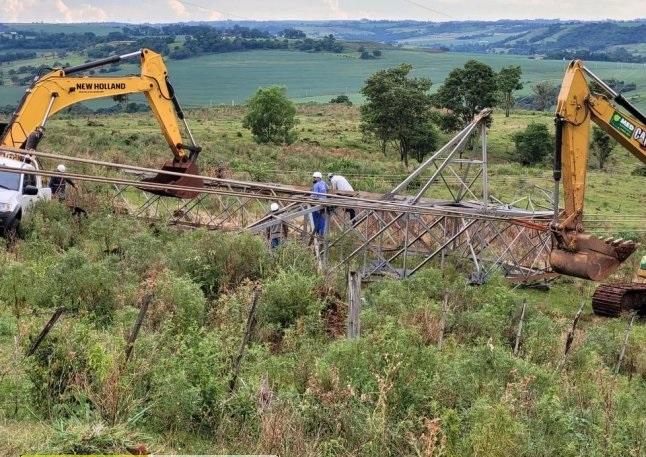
<point x="366" y="55"/>
<point x="602" y="146"/>
<point x="398" y="110"/>
<point x="292" y="34"/>
<point x="545" y="94"/>
<point x="377" y="53"/>
<point x="342" y="99"/>
<point x="423" y="139"/>
<point x="533" y="144"/>
<point x="271" y="116"/>
<point x="468" y="90"/>
<point x="508" y="80"/>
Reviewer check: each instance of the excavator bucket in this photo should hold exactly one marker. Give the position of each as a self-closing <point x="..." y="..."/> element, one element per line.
<point x="186" y="168"/>
<point x="589" y="257"/>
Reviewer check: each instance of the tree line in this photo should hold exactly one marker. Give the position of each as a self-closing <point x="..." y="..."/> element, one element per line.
<point x="176" y="41"/>
<point x="400" y="111"/>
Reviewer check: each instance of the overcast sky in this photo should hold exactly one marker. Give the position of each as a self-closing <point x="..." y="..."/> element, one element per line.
<point x="187" y="10"/>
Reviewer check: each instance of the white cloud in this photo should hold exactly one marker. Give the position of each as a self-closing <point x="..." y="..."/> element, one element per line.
<point x="49" y="10"/>
<point x="13" y="9"/>
<point x="215" y="15"/>
<point x="178" y="8"/>
<point x="80" y="13"/>
<point x="335" y="8"/>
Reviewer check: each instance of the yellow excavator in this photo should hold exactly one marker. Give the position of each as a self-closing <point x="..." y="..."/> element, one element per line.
<point x="575" y="252"/>
<point x="61" y="88"/>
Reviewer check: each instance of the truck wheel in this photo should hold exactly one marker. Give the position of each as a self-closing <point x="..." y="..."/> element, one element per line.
<point x="12" y="229"/>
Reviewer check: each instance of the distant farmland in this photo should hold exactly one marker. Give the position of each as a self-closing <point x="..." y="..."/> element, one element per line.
<point x="233" y="77"/>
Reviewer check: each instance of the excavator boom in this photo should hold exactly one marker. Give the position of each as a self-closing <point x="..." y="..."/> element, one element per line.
<point x="64" y="87"/>
<point x="574" y="252"/>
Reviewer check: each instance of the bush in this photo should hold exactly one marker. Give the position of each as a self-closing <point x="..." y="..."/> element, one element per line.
<point x="292" y="256"/>
<point x="79" y="284"/>
<point x="71" y="362"/>
<point x="533" y="145"/>
<point x="217" y="260"/>
<point x="342" y="99"/>
<point x="287" y="297"/>
<point x="178" y="304"/>
<point x="189" y="385"/>
<point x="51" y="221"/>
<point x="271" y="116"/>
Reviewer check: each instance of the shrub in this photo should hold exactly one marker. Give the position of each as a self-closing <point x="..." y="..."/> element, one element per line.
<point x="69" y="362"/>
<point x="287" y="297"/>
<point x="292" y="256"/>
<point x="51" y="221"/>
<point x="217" y="260"/>
<point x="178" y="304"/>
<point x="533" y="145"/>
<point x="79" y="284"/>
<point x="495" y="431"/>
<point x="142" y="252"/>
<point x="271" y="116"/>
<point x="342" y="100"/>
<point x="189" y="387"/>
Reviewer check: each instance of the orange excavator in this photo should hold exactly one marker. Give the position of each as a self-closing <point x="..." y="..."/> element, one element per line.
<point x="61" y="88"/>
<point x="575" y="252"/>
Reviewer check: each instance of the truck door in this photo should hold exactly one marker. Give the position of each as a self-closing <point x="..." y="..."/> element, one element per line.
<point x="28" y="200"/>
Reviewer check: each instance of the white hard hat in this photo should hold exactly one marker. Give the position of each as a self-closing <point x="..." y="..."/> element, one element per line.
<point x="317" y="174"/>
<point x="61" y="168"/>
<point x="329" y="175"/>
<point x="274" y="207"/>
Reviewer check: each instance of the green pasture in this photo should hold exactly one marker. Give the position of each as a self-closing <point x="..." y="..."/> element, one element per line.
<point x="231" y="78"/>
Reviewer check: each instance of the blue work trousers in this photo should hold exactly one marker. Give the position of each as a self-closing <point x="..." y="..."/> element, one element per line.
<point x="319" y="222"/>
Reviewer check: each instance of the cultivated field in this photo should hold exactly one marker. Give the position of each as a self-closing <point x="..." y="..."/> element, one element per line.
<point x="232" y="78"/>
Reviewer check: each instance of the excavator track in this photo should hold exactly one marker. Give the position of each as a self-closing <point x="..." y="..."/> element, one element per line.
<point x="614" y="299"/>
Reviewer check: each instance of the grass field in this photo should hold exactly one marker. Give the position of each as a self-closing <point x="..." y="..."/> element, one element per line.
<point x="370" y="396"/>
<point x="233" y="77"/>
<point x="329" y="139"/>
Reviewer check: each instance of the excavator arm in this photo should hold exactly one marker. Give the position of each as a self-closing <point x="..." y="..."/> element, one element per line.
<point x="62" y="88"/>
<point x="575" y="252"/>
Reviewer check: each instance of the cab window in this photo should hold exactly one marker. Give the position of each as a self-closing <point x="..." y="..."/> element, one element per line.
<point x="28" y="180"/>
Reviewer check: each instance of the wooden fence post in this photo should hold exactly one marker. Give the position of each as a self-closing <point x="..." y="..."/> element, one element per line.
<point x="45" y="331"/>
<point x="570" y="334"/>
<point x="445" y="313"/>
<point x="137" y="326"/>
<point x="354" y="302"/>
<point x="520" y="328"/>
<point x="570" y="337"/>
<point x="251" y="324"/>
<point x="623" y="346"/>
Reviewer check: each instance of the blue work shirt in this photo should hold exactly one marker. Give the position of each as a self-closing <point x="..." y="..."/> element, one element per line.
<point x="321" y="188"/>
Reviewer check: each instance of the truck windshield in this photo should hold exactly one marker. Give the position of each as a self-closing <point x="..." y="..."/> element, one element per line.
<point x="9" y="181"/>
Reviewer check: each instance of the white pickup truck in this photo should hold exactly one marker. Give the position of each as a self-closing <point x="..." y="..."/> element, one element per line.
<point x="18" y="191"/>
